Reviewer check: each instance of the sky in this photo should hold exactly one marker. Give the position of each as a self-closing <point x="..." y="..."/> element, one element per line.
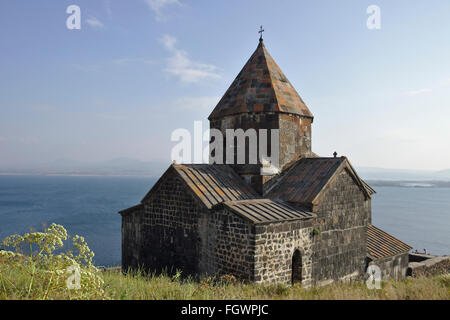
<point x="139" y="69"/>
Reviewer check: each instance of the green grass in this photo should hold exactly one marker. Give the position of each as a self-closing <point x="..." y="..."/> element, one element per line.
<point x="139" y="286"/>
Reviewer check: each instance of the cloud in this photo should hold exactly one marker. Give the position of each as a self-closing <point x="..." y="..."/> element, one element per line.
<point x="157" y="6"/>
<point x="94" y="22"/>
<point x="169" y="42"/>
<point x="181" y="66"/>
<point x="417" y="92"/>
<point x="197" y="103"/>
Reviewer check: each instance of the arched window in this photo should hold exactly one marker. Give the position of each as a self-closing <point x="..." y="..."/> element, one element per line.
<point x="296" y="267"/>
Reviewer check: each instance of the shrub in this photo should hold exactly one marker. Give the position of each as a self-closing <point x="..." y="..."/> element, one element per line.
<point x="47" y="271"/>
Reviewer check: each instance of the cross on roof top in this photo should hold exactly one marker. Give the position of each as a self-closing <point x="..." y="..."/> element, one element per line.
<point x="261" y="30"/>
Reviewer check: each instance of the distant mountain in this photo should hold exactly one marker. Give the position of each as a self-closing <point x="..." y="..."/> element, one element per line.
<point x="370" y="173"/>
<point x="444" y="174"/>
<point x="133" y="167"/>
<point x="114" y="167"/>
<point x="409" y="183"/>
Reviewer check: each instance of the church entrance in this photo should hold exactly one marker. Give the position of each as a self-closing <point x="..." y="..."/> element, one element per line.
<point x="296" y="267"/>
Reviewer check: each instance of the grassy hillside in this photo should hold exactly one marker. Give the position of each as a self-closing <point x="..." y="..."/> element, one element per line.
<point x="118" y="286"/>
<point x="46" y="271"/>
<point x="137" y="287"/>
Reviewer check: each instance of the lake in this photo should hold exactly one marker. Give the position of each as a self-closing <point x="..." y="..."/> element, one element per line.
<point x="88" y="206"/>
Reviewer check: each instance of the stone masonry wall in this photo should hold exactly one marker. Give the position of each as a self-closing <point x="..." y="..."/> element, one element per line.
<point x="246" y="121"/>
<point x="394" y="267"/>
<point x="340" y="248"/>
<point x="275" y="245"/>
<point x="131" y="238"/>
<point x="166" y="230"/>
<point x="295" y="138"/>
<point x="228" y="245"/>
<point x="429" y="267"/>
<point x="294" y="131"/>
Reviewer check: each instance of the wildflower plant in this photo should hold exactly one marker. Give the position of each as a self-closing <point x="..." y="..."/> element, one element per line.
<point x="46" y="270"/>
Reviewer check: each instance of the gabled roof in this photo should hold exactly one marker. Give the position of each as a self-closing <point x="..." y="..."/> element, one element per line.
<point x="266" y="210"/>
<point x="381" y="244"/>
<point x="132" y="209"/>
<point x="211" y="184"/>
<point x="369" y="189"/>
<point x="261" y="86"/>
<point x="308" y="177"/>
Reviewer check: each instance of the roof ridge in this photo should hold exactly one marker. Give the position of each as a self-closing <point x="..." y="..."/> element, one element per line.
<point x="272" y="85"/>
<point x="275" y="181"/>
<point x="273" y="79"/>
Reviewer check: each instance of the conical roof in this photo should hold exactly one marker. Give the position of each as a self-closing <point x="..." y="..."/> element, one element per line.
<point x="261" y="86"/>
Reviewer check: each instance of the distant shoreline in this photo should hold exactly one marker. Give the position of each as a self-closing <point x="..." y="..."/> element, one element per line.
<point x="74" y="175"/>
<point x="410" y="183"/>
<point x="373" y="182"/>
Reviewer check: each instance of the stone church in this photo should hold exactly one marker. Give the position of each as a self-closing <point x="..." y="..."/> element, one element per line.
<point x="310" y="222"/>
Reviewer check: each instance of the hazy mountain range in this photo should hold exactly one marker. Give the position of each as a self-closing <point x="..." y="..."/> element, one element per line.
<point x="371" y="173"/>
<point x="133" y="167"/>
<point x="114" y="167"/>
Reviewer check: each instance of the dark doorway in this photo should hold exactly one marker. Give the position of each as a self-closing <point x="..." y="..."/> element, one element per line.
<point x="296" y="267"/>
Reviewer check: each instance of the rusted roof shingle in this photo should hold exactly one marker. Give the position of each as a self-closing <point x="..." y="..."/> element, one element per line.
<point x="266" y="210"/>
<point x="305" y="179"/>
<point x="214" y="184"/>
<point x="261" y="86"/>
<point x="381" y="244"/>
